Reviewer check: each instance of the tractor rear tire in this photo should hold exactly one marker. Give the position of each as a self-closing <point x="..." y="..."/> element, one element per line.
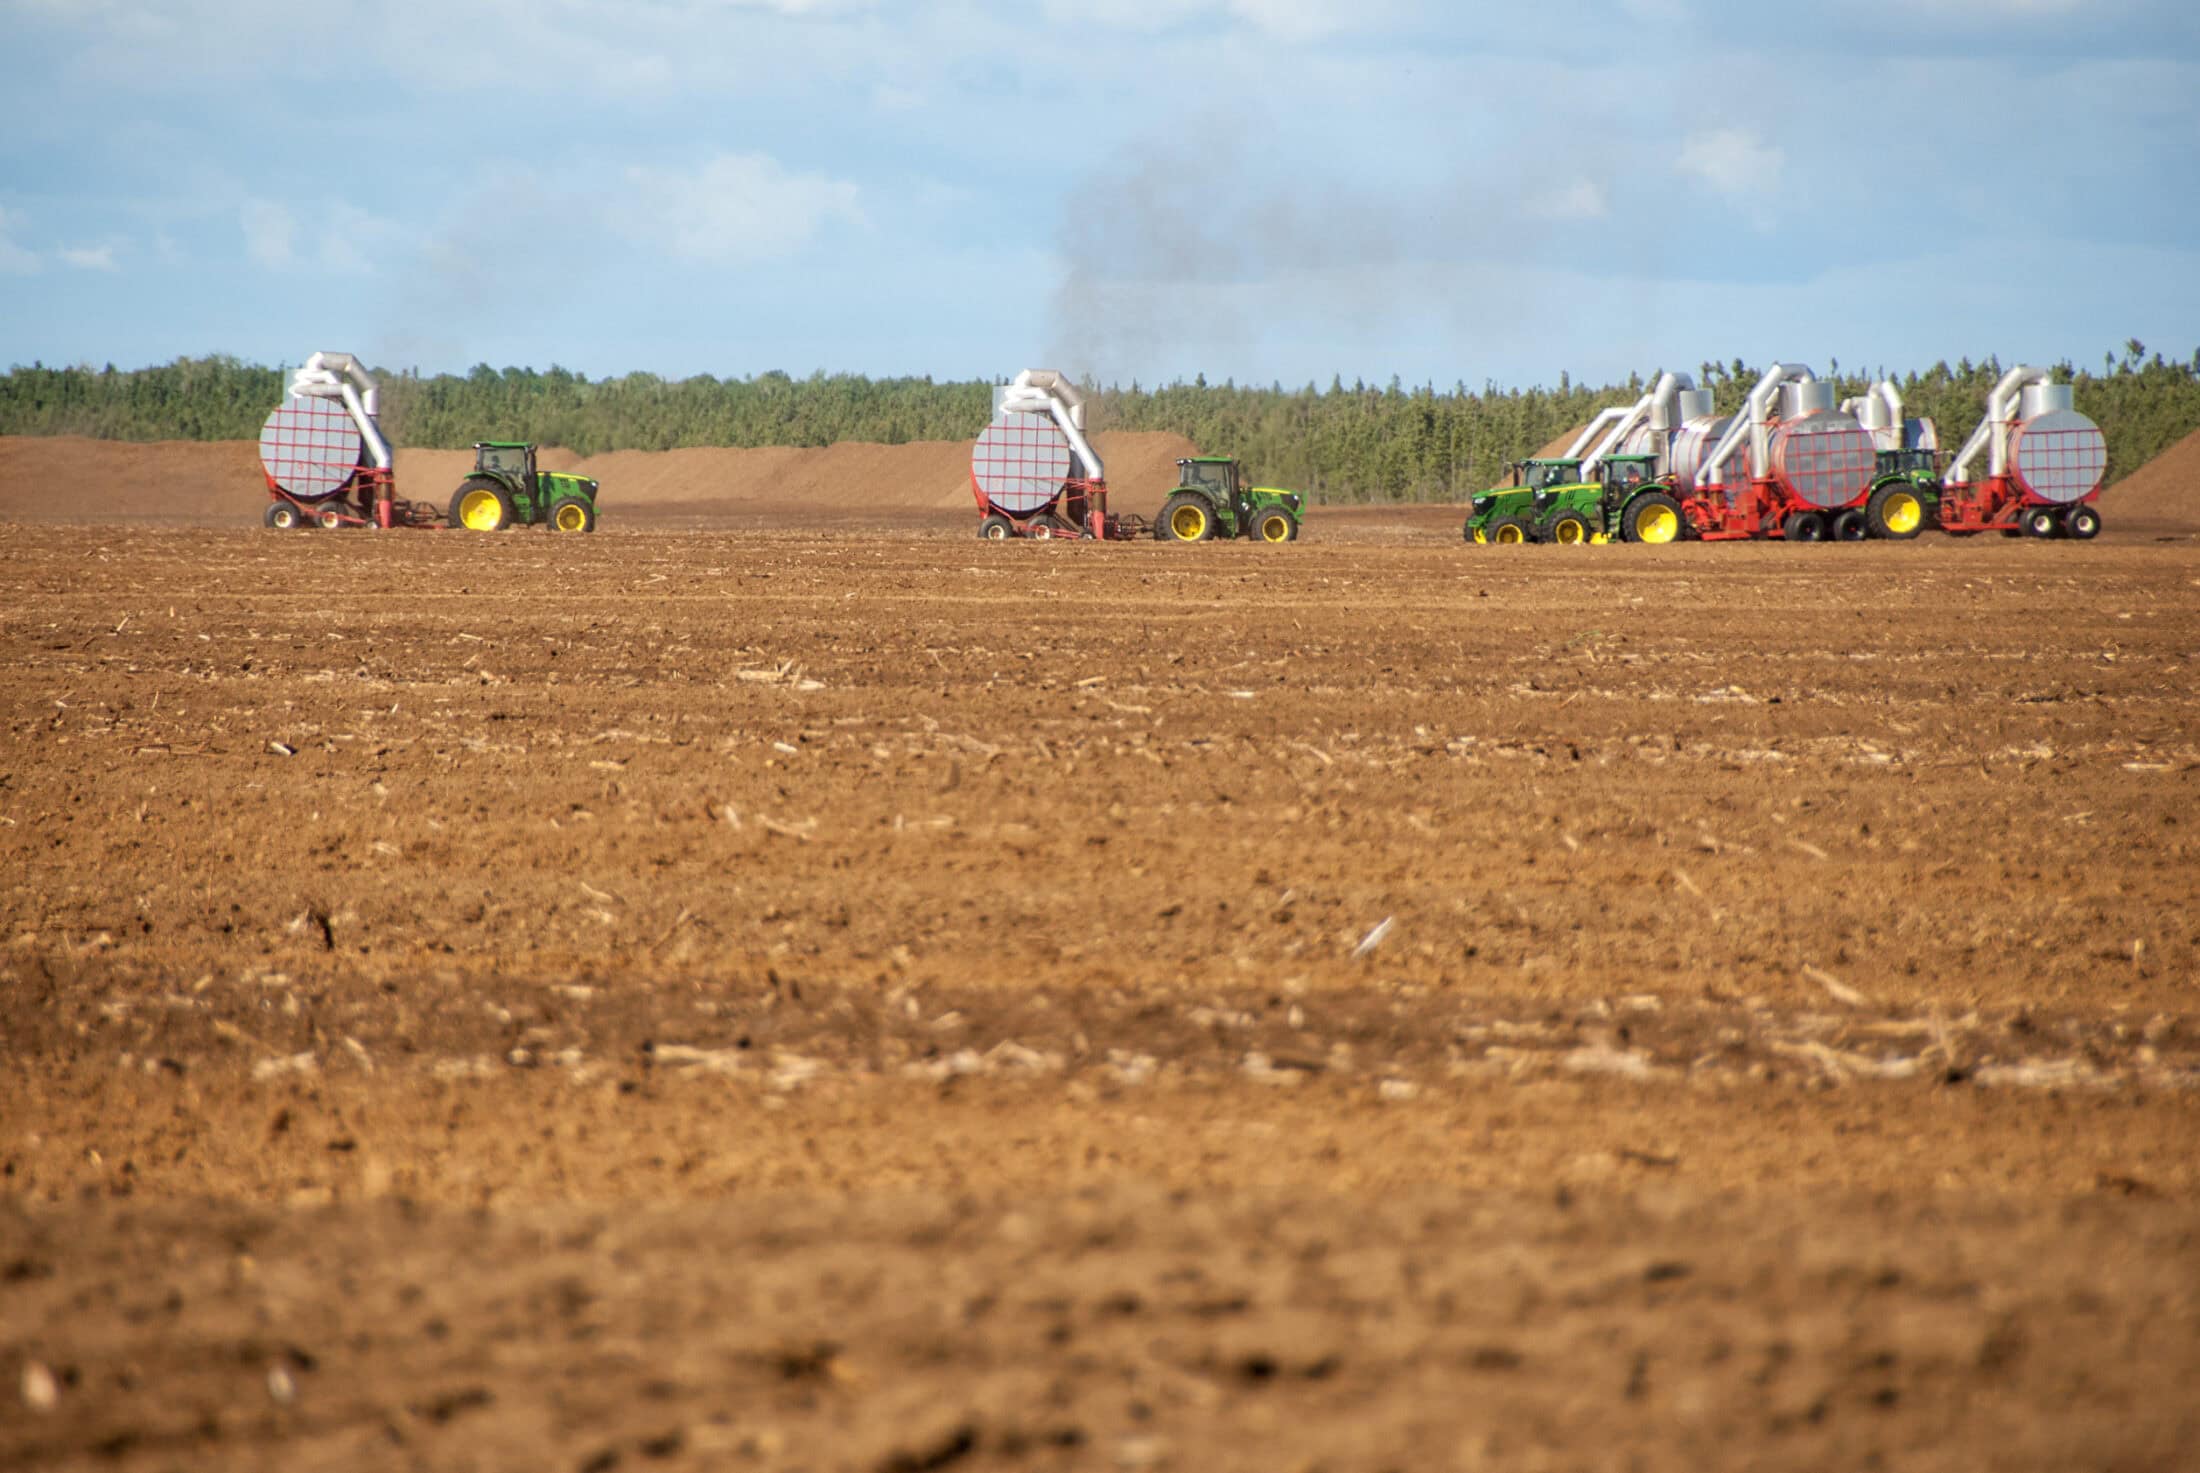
<point x="1272" y="524"/>
<point x="1186" y="517"/>
<point x="1804" y="526"/>
<point x="1511" y="531"/>
<point x="2082" y="523"/>
<point x="1849" y="525"/>
<point x="2042" y="521"/>
<point x="1568" y="529"/>
<point x="1895" y="512"/>
<point x="993" y="527"/>
<point x="1654" y="518"/>
<point x="482" y="505"/>
<point x="283" y="516"/>
<point x="572" y="514"/>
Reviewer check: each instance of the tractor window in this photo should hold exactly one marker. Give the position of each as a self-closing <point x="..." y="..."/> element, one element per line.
<point x="503" y="458"/>
<point x="1627" y="473"/>
<point x="1213" y="477"/>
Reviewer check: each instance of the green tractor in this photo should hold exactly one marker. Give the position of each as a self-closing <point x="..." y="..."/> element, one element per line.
<point x="506" y="490"/>
<point x="1549" y="501"/>
<point x="1212" y="499"/>
<point x="1905" y="495"/>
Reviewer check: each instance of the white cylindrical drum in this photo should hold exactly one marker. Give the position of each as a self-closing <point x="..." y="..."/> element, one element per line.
<point x="310" y="448"/>
<point x="2041" y="399"/>
<point x="2060" y="456"/>
<point x="1825" y="460"/>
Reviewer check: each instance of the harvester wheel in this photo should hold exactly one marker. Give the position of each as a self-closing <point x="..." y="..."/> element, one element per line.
<point x="1804" y="526"/>
<point x="572" y="514"/>
<point x="993" y="527"/>
<point x="1896" y="511"/>
<point x="1186" y="517"/>
<point x="482" y="506"/>
<point x="1570" y="530"/>
<point x="2082" y="522"/>
<point x="282" y="516"/>
<point x="2042" y="521"/>
<point x="329" y="519"/>
<point x="1511" y="531"/>
<point x="1654" y="518"/>
<point x="1849" y="525"/>
<point x="1273" y="524"/>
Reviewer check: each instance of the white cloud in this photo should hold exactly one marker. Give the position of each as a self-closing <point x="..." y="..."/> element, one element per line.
<point x="1733" y="161"/>
<point x="88" y="258"/>
<point x="14" y="259"/>
<point x="736" y="209"/>
<point x="1286" y="20"/>
<point x="269" y="232"/>
<point x="1584" y="199"/>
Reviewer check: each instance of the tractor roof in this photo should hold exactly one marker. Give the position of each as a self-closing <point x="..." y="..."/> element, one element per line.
<point x="504" y="444"/>
<point x="1209" y="460"/>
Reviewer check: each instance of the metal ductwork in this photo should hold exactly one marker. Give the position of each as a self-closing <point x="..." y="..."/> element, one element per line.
<point x="1754" y="422"/>
<point x="1045" y="391"/>
<point x="344" y="378"/>
<point x="1659" y="407"/>
<point x="1595" y="427"/>
<point x="1992" y="434"/>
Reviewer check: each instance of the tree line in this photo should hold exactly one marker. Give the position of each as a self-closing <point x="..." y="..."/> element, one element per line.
<point x="1342" y="443"/>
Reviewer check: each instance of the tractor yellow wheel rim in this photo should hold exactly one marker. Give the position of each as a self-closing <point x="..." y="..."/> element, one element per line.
<point x="480" y="511"/>
<point x="1569" y="532"/>
<point x="1480" y="535"/>
<point x="1188" y="523"/>
<point x="1275" y="527"/>
<point x="1902" y="512"/>
<point x="1509" y="535"/>
<point x="1658" y="524"/>
<point x="572" y="518"/>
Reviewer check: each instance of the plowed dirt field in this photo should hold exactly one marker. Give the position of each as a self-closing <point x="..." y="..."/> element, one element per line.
<point x="895" y="1002"/>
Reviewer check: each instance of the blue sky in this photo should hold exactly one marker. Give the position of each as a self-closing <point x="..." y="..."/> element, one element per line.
<point x="1256" y="189"/>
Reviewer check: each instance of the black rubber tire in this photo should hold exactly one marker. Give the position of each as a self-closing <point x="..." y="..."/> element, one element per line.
<point x="2082" y="523"/>
<point x="1641" y="510"/>
<point x="1257" y="524"/>
<point x="506" y="512"/>
<point x="1510" y="531"/>
<point x="2041" y="521"/>
<point x="1567" y="529"/>
<point x="993" y="527"/>
<point x="584" y="519"/>
<point x="1896" y="495"/>
<point x="1804" y="526"/>
<point x="1848" y="525"/>
<point x="330" y="519"/>
<point x="1168" y="528"/>
<point x="283" y="516"/>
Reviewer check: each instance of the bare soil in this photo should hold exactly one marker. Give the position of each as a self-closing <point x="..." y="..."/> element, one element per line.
<point x="891" y="1002"/>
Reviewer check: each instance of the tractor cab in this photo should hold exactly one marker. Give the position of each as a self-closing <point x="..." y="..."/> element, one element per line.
<point x="1536" y="475"/>
<point x="1214" y="474"/>
<point x="510" y="461"/>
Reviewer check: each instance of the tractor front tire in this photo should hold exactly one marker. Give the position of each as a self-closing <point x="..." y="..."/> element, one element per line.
<point x="482" y="506"/>
<point x="1895" y="512"/>
<point x="283" y="516"/>
<point x="1511" y="531"/>
<point x="1272" y="524"/>
<point x="1186" y="517"/>
<point x="993" y="527"/>
<point x="1568" y="529"/>
<point x="1653" y="518"/>
<point x="572" y="514"/>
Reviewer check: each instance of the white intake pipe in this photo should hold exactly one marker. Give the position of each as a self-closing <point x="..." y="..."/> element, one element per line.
<point x="1662" y="396"/>
<point x="1994" y="429"/>
<point x="1044" y="391"/>
<point x="1897" y="428"/>
<point x="318" y="378"/>
<point x="1754" y="421"/>
<point x="1581" y="441"/>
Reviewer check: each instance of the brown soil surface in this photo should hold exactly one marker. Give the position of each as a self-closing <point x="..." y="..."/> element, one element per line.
<point x="2162" y="496"/>
<point x="787" y="1000"/>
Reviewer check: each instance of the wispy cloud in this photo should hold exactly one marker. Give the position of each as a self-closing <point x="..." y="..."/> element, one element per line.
<point x="736" y="209"/>
<point x="89" y="258"/>
<point x="15" y="260"/>
<point x="269" y="232"/>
